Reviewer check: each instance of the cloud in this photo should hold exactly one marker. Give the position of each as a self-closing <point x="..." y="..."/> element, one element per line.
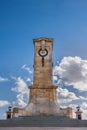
<point x="3" y="79"/>
<point x="84" y="105"/>
<point x="54" y="78"/>
<point x="82" y="98"/>
<point x="73" y="72"/>
<point x="3" y="115"/>
<point x="19" y="103"/>
<point x="28" y="79"/>
<point x="25" y="67"/>
<point x="22" y="91"/>
<point x="66" y="96"/>
<point x="4" y="103"/>
<point x="84" y="110"/>
<point x="13" y="77"/>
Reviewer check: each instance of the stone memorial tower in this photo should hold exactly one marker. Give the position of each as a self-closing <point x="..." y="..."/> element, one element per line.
<point x="43" y="95"/>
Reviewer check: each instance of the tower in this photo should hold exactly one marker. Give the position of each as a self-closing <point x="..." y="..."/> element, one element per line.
<point x="43" y="94"/>
<point x="43" y="62"/>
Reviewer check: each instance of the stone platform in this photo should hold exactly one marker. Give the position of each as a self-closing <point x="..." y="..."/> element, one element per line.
<point x="43" y="121"/>
<point x="43" y="128"/>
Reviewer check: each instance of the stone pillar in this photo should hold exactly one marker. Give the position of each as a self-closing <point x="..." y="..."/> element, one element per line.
<point x="43" y="62"/>
<point x="9" y="113"/>
<point x="69" y="112"/>
<point x="78" y="114"/>
<point x="43" y="94"/>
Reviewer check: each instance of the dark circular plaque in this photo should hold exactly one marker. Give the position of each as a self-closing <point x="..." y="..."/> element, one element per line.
<point x="43" y="53"/>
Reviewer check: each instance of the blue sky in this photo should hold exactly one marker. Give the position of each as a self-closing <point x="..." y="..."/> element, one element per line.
<point x="63" y="20"/>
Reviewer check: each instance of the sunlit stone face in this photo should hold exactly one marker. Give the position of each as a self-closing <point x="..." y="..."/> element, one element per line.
<point x="43" y="63"/>
<point x="43" y="94"/>
<point x="43" y="43"/>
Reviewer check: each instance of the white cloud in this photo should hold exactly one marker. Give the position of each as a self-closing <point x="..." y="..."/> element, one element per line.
<point x="54" y="78"/>
<point x="82" y="98"/>
<point x="22" y="91"/>
<point x="73" y="71"/>
<point x="19" y="103"/>
<point x="13" y="77"/>
<point x="4" y="103"/>
<point x="84" y="105"/>
<point x="65" y="96"/>
<point x="3" y="115"/>
<point x="28" y="80"/>
<point x="3" y="79"/>
<point x="25" y="67"/>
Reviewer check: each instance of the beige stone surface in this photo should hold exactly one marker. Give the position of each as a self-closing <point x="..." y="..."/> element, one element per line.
<point x="43" y="95"/>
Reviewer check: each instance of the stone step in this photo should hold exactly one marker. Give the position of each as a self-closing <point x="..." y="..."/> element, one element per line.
<point x="43" y="121"/>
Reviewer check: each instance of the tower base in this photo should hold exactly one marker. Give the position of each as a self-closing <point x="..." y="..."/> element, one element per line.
<point x="43" y="102"/>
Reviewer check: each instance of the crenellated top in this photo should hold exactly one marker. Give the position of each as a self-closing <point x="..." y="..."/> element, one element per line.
<point x="43" y="39"/>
